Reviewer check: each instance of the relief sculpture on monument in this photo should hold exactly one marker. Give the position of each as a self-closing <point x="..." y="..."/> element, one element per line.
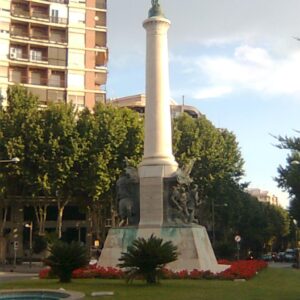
<point x="127" y="190"/>
<point x="183" y="201"/>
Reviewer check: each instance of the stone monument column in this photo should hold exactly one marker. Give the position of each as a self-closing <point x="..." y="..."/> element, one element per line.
<point x="158" y="160"/>
<point x="157" y="170"/>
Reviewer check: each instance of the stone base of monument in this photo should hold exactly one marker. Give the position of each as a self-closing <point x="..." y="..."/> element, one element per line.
<point x="194" y="247"/>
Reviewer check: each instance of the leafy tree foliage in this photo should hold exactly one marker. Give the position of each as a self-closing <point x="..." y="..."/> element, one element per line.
<point x="289" y="176"/>
<point x="108" y="136"/>
<point x="68" y="155"/>
<point x="218" y="164"/>
<point x="218" y="170"/>
<point x="17" y="125"/>
<point x="147" y="258"/>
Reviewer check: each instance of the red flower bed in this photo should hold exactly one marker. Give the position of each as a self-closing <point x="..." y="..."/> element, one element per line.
<point x="44" y="273"/>
<point x="242" y="269"/>
<point x="98" y="272"/>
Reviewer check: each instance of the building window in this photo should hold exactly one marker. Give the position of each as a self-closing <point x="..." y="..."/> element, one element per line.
<point x="57" y="79"/>
<point x="54" y="15"/>
<point x="77" y="100"/>
<point x="36" y="55"/>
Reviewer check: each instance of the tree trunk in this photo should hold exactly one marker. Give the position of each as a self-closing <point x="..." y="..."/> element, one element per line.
<point x="3" y="221"/>
<point x="60" y="207"/>
<point x="41" y="216"/>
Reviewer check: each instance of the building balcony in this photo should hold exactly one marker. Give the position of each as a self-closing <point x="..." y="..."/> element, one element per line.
<point x="59" y="1"/>
<point x="58" y="20"/>
<point x="100" y="78"/>
<point x="16" y="12"/>
<point x="56" y="83"/>
<point x="40" y="15"/>
<point x="28" y="58"/>
<point x="39" y="36"/>
<point x="34" y="80"/>
<point x="18" y="56"/>
<point x="101" y="4"/>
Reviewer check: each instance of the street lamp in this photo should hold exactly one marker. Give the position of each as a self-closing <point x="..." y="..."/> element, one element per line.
<point x="30" y="226"/>
<point x="296" y="232"/>
<point x="13" y="160"/>
<point x="213" y="205"/>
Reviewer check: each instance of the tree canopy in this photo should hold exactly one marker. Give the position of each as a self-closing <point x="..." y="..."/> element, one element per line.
<point x="288" y="177"/>
<point x="69" y="155"/>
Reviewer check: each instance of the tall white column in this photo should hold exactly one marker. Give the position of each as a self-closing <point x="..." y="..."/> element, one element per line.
<point x="158" y="136"/>
<point x="158" y="160"/>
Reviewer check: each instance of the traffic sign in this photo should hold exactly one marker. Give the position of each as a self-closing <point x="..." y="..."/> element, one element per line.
<point x="237" y="238"/>
<point x="16" y="245"/>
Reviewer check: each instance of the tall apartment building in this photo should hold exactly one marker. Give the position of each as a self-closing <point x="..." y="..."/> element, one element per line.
<point x="55" y="48"/>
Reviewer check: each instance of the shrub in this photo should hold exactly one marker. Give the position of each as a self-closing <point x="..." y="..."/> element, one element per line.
<point x="146" y="258"/>
<point x="39" y="244"/>
<point x="65" y="258"/>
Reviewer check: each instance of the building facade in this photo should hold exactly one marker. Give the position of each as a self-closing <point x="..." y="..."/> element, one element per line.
<point x="263" y="196"/>
<point x="138" y="102"/>
<point x="55" y="48"/>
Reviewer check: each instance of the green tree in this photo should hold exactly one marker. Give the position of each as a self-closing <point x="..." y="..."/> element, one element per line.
<point x="108" y="135"/>
<point x="17" y="122"/>
<point x="46" y="143"/>
<point x="58" y="153"/>
<point x="218" y="165"/>
<point x="288" y="177"/>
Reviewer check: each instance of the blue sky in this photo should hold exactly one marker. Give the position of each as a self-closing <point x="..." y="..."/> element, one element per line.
<point x="235" y="60"/>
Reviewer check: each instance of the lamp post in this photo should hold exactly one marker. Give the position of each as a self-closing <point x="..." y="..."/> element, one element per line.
<point x="296" y="232"/>
<point x="13" y="160"/>
<point x="29" y="225"/>
<point x="79" y="231"/>
<point x="213" y="205"/>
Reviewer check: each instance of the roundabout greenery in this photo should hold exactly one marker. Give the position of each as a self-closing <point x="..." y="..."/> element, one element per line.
<point x="271" y="283"/>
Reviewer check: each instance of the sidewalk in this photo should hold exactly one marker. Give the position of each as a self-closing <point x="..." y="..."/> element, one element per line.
<point x="23" y="269"/>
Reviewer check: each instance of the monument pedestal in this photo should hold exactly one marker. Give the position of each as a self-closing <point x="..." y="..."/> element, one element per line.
<point x="194" y="247"/>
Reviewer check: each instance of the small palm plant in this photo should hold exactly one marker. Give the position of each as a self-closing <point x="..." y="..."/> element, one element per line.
<point x="146" y="258"/>
<point x="64" y="258"/>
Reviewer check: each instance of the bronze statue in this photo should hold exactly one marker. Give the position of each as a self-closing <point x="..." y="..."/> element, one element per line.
<point x="155" y="10"/>
<point x="127" y="198"/>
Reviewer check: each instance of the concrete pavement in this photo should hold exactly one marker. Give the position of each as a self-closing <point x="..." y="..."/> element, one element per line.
<point x="11" y="273"/>
<point x="280" y="264"/>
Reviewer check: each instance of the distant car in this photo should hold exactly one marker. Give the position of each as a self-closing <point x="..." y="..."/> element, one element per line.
<point x="281" y="256"/>
<point x="275" y="257"/>
<point x="289" y="255"/>
<point x="267" y="257"/>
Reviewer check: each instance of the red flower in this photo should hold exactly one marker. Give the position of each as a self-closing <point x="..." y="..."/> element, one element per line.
<point x="242" y="269"/>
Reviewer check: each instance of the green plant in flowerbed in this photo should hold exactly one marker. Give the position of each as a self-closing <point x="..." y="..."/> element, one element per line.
<point x="147" y="258"/>
<point x="64" y="258"/>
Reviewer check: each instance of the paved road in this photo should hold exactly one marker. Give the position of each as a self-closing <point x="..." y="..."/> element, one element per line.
<point x="12" y="276"/>
<point x="279" y="265"/>
<point x="10" y="273"/>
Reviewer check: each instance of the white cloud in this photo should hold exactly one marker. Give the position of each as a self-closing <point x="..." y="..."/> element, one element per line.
<point x="212" y="92"/>
<point x="250" y="68"/>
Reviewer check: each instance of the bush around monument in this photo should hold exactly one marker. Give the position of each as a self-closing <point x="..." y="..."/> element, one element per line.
<point x="146" y="258"/>
<point x="64" y="258"/>
<point x="242" y="269"/>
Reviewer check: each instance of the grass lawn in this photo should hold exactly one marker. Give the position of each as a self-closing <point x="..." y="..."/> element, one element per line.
<point x="273" y="284"/>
